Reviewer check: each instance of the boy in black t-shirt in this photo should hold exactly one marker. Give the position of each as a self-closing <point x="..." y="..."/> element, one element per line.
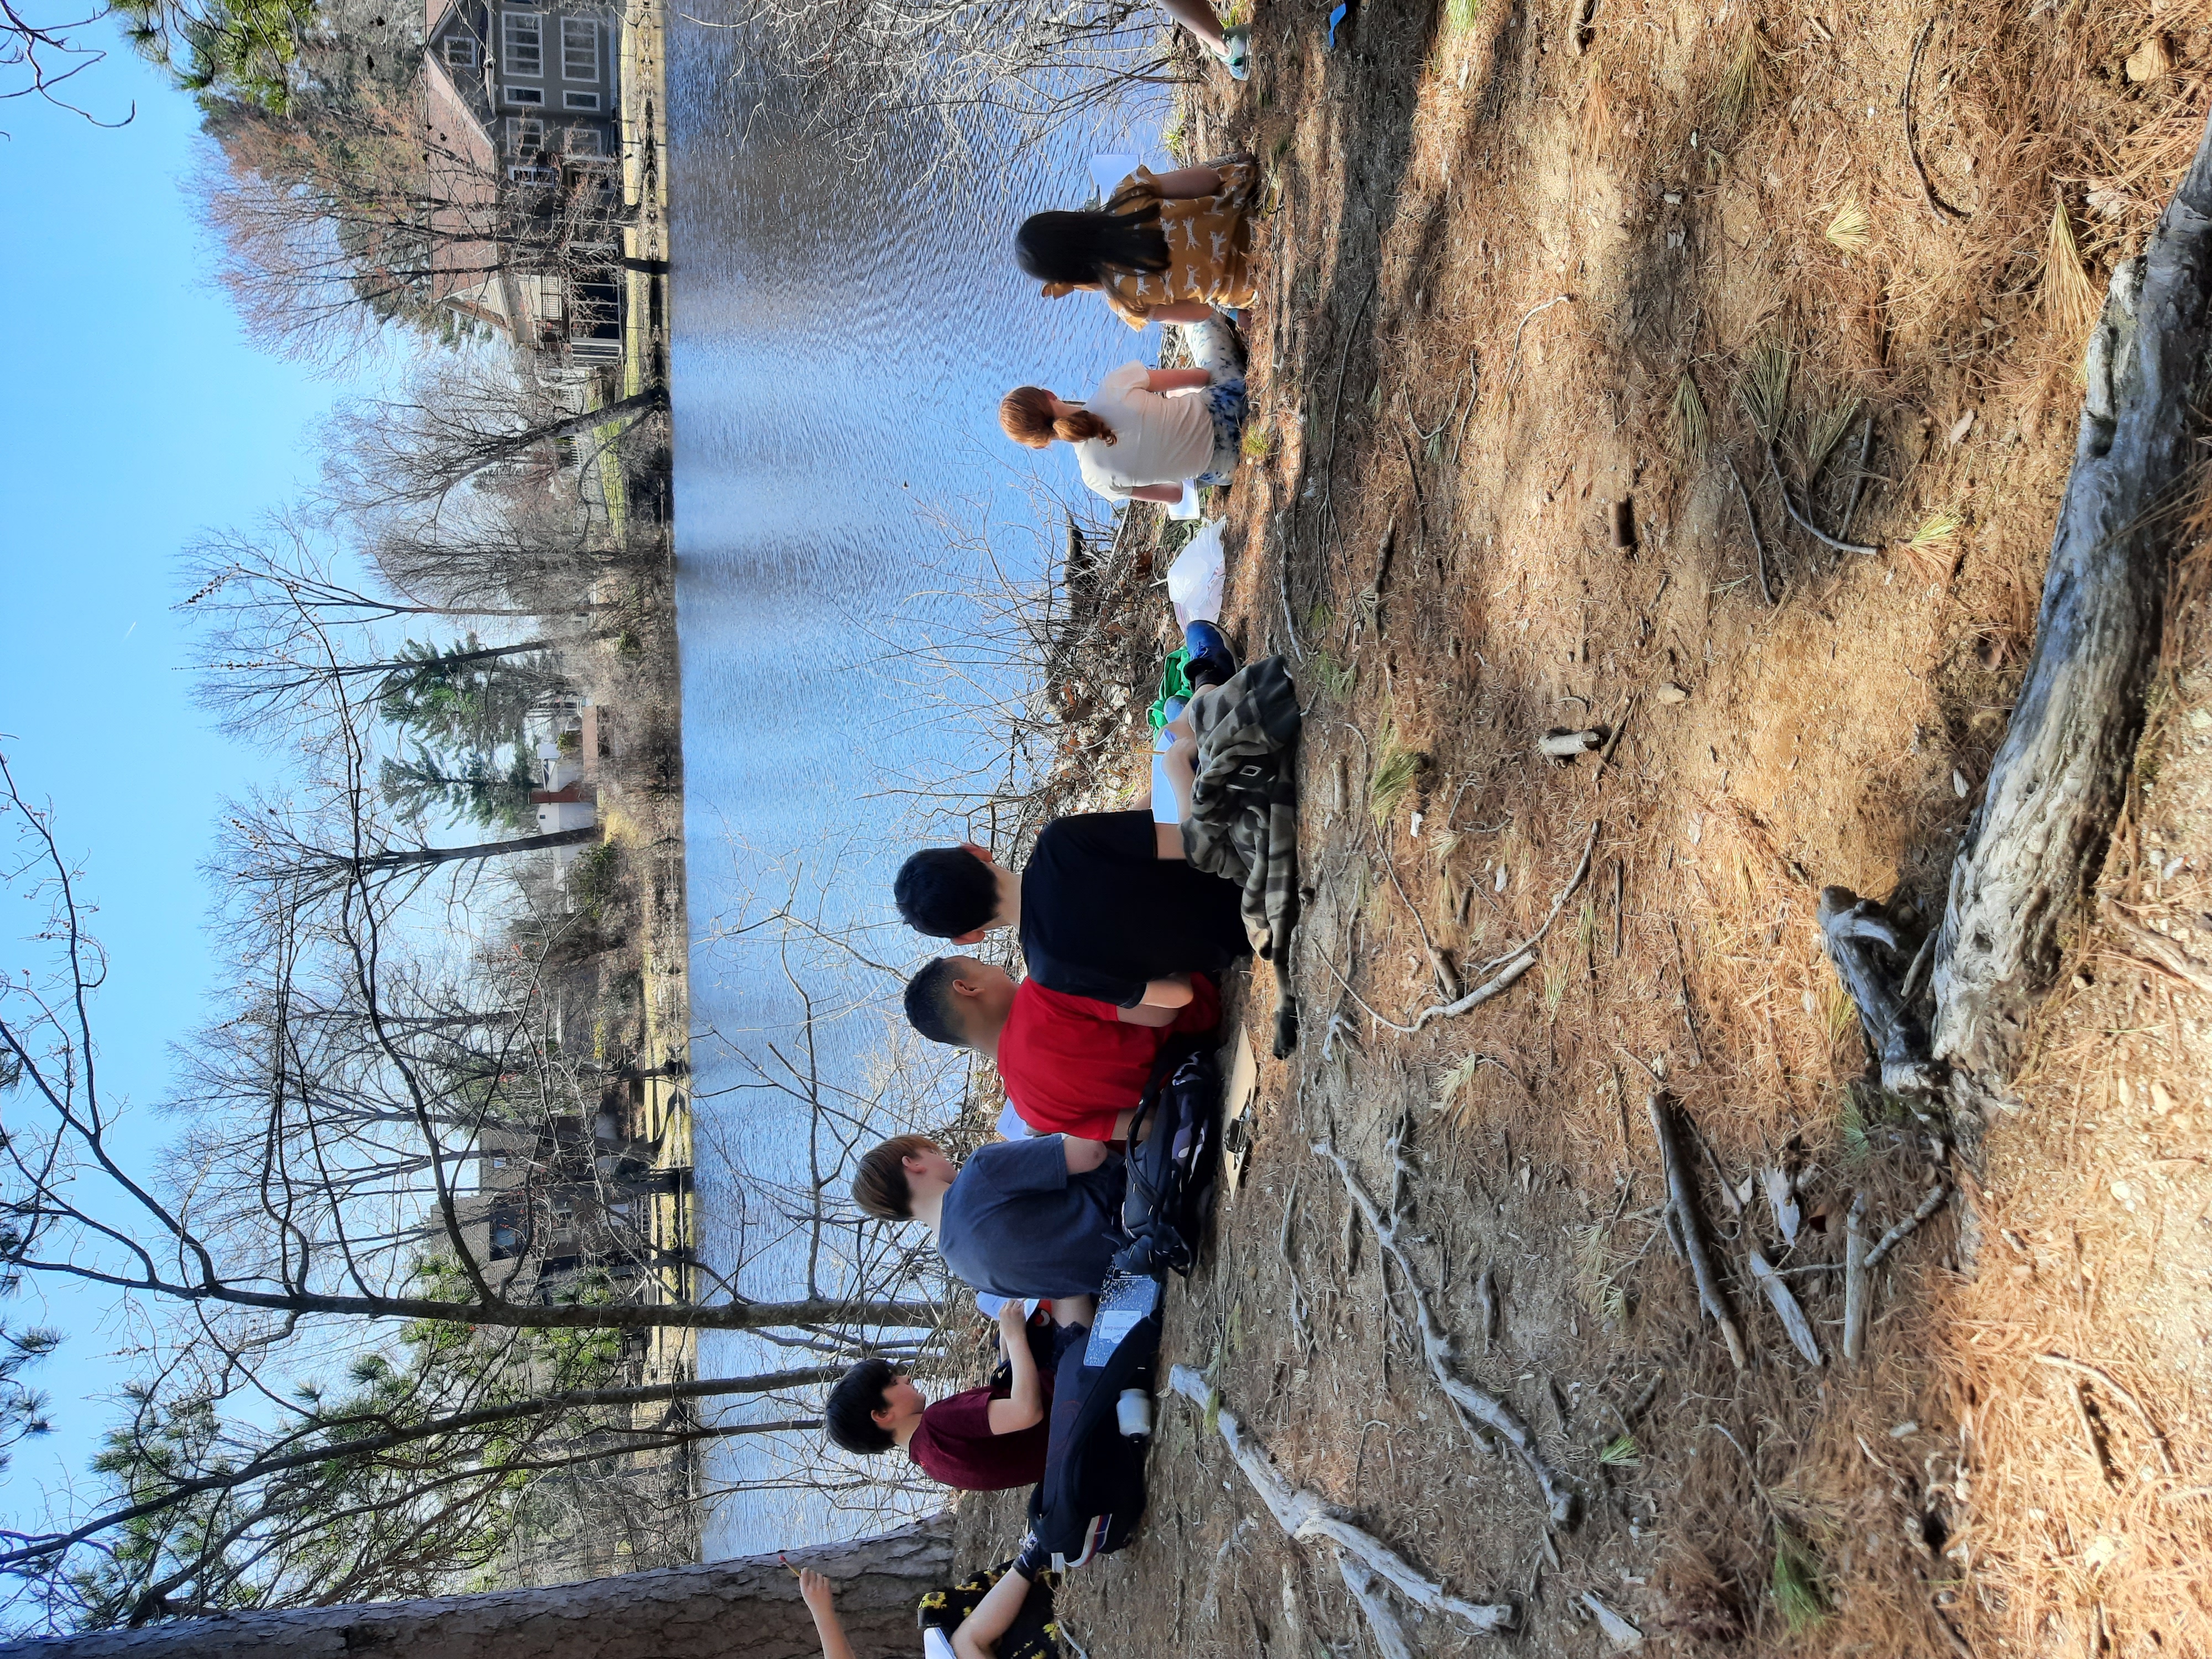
<point x="1107" y="908"/>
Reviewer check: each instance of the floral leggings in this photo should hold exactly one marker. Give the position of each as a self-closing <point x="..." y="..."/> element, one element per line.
<point x="1214" y="348"/>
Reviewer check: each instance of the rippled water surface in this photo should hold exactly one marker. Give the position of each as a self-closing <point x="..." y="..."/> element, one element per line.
<point x="842" y="336"/>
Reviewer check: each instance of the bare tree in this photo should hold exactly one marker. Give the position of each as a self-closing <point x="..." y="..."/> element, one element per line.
<point x="463" y="419"/>
<point x="938" y="79"/>
<point x="276" y="1244"/>
<point x="339" y="215"/>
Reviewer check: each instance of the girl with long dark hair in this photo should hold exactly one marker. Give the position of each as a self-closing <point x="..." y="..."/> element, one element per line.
<point x="1166" y="247"/>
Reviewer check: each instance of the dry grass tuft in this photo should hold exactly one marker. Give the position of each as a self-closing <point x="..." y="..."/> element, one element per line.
<point x="1396" y="766"/>
<point x="1827" y="432"/>
<point x="1929" y="547"/>
<point x="1692" y="428"/>
<point x="1743" y="83"/>
<point x="1851" y="231"/>
<point x="1764" y="391"/>
<point x="2068" y="295"/>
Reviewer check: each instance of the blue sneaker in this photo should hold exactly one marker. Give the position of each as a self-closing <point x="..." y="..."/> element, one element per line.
<point x="1210" y="659"/>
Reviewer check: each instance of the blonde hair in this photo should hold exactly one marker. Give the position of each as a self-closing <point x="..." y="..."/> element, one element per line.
<point x="1026" y="413"/>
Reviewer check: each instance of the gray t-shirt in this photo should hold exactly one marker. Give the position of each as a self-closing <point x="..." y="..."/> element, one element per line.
<point x="1015" y="1223"/>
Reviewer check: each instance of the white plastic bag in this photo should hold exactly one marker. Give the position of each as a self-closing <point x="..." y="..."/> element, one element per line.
<point x="1194" y="579"/>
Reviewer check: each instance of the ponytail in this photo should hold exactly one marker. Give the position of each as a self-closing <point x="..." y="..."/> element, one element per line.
<point x="1026" y="413"/>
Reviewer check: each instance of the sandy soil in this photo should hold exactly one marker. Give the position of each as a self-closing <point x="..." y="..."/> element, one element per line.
<point x="1426" y="527"/>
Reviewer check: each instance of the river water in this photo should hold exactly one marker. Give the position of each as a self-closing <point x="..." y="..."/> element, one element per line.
<point x="842" y="335"/>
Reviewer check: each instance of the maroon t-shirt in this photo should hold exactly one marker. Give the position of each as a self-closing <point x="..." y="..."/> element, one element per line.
<point x="954" y="1444"/>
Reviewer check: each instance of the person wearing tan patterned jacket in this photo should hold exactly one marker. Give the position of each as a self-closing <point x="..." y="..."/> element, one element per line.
<point x="1166" y="247"/>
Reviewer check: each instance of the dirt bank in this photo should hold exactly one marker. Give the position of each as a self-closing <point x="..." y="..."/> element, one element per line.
<point x="1521" y="270"/>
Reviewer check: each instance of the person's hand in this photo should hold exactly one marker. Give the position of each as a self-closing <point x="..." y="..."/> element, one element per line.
<point x="1013" y="1317"/>
<point x="818" y="1592"/>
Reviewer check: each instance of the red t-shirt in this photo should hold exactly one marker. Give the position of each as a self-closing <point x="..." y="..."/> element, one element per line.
<point x="954" y="1444"/>
<point x="1071" y="1063"/>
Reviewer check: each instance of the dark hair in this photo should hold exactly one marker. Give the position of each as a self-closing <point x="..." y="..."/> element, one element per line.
<point x="931" y="1008"/>
<point x="1091" y="247"/>
<point x="945" y="891"/>
<point x="849" y="1415"/>
<point x="880" y="1188"/>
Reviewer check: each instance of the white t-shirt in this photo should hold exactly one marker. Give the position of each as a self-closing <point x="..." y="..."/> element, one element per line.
<point x="1159" y="437"/>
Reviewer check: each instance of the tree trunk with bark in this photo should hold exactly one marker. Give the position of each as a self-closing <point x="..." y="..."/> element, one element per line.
<point x="748" y="1608"/>
<point x="2039" y="837"/>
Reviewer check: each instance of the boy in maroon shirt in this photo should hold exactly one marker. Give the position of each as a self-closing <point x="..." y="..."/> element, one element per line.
<point x="1071" y="1065"/>
<point x="979" y="1440"/>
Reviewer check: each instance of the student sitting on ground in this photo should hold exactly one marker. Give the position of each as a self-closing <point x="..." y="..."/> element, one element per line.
<point x="983" y="1439"/>
<point x="1107" y="908"/>
<point x="1036" y="1217"/>
<point x="1132" y="440"/>
<point x="1071" y="1065"/>
<point x="998" y="1614"/>
<point x="1166" y="247"/>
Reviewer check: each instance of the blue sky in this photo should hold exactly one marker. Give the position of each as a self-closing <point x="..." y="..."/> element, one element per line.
<point x="140" y="416"/>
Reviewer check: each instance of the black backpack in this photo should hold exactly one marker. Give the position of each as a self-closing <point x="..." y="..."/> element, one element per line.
<point x="1173" y="1176"/>
<point x="1092" y="1494"/>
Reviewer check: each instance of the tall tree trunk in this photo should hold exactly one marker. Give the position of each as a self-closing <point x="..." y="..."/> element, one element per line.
<point x="416" y="856"/>
<point x="2039" y="837"/>
<point x="748" y="1608"/>
<point x="638" y="403"/>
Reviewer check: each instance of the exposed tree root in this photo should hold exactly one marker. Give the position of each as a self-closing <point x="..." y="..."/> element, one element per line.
<point x="1306" y="1515"/>
<point x="1475" y="1405"/>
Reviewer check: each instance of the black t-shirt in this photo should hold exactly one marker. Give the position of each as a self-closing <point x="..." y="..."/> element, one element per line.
<point x="1102" y="913"/>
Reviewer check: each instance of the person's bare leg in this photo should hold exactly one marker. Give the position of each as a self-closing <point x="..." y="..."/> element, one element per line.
<point x="1074" y="1310"/>
<point x="1198" y="17"/>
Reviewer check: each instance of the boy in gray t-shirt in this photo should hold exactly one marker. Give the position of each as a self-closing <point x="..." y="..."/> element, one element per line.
<point x="1034" y="1218"/>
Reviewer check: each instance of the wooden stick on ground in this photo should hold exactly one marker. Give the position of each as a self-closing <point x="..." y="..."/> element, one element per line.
<point x="1682" y="1205"/>
<point x="1856" y="1282"/>
<point x="1475" y="1406"/>
<point x="1306" y="1515"/>
<point x="1509" y="966"/>
<point x="1904" y="1229"/>
<point x="1793" y="1316"/>
<point x="2158" y="1435"/>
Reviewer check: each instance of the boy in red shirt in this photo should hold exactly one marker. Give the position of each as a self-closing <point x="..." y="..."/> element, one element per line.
<point x="1071" y="1065"/>
<point x="978" y="1440"/>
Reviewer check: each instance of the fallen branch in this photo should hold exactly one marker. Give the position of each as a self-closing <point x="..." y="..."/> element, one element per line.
<point x="1858" y="487"/>
<point x="1793" y="1316"/>
<point x="1854" y="931"/>
<point x="1943" y="209"/>
<point x="2059" y="777"/>
<point x="1904" y="1229"/>
<point x="1618" y="1631"/>
<point x="1774" y="467"/>
<point x="1476" y="1406"/>
<point x="2157" y="1434"/>
<point x="1306" y="1515"/>
<point x="1856" y="1282"/>
<point x="2158" y="951"/>
<point x="1683" y="1207"/>
<point x="1516" y="963"/>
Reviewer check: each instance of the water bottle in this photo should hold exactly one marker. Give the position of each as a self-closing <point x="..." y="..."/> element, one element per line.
<point x="1134" y="1411"/>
